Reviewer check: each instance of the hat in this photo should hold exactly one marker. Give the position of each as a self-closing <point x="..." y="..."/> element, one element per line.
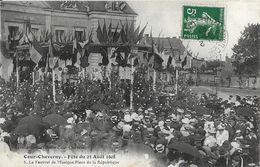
<point x="31" y="139"/>
<point x="127" y="118"/>
<point x="135" y="117"/>
<point x="238" y="131"/>
<point x="173" y="117"/>
<point x="99" y="114"/>
<point x="115" y="144"/>
<point x="220" y="127"/>
<point x="140" y="109"/>
<point x="160" y="123"/>
<point x="126" y="128"/>
<point x="180" y="110"/>
<point x="187" y="115"/>
<point x="150" y="109"/>
<point x="159" y="147"/>
<point x="2" y="120"/>
<point x="150" y="129"/>
<point x="185" y="121"/>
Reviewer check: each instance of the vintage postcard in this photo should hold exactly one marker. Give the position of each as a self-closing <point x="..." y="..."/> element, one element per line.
<point x="167" y="83"/>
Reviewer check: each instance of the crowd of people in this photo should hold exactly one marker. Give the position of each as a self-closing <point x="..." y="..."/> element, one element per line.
<point x="204" y="132"/>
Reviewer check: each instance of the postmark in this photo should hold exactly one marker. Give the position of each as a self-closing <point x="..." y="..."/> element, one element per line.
<point x="203" y="23"/>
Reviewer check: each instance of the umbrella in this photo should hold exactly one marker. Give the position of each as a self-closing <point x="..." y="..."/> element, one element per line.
<point x="99" y="107"/>
<point x="185" y="148"/>
<point x="202" y="110"/>
<point x="54" y="119"/>
<point x="30" y="120"/>
<point x="27" y="129"/>
<point x="245" y="111"/>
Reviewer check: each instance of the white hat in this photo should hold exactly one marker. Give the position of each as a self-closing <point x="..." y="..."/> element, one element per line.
<point x="127" y="118"/>
<point x="185" y="121"/>
<point x="126" y="128"/>
<point x="135" y="117"/>
<point x="193" y="120"/>
<point x="99" y="114"/>
<point x="120" y="124"/>
<point x="70" y="120"/>
<point x="140" y="109"/>
<point x="31" y="139"/>
<point x="2" y="120"/>
<point x="150" y="109"/>
<point x="180" y="110"/>
<point x="160" y="123"/>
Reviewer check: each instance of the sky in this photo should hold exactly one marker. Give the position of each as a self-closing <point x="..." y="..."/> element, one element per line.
<point x="166" y="16"/>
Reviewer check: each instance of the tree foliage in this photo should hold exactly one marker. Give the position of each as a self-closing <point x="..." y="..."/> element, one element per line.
<point x="246" y="51"/>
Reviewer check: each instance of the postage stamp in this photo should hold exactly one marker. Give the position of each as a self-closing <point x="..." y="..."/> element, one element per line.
<point x="203" y="23"/>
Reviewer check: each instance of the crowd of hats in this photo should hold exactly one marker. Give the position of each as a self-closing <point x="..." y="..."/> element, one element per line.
<point x="196" y="131"/>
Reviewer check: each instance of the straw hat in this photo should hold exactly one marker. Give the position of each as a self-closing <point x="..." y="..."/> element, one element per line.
<point x="127" y="118"/>
<point x="180" y="110"/>
<point x="185" y="120"/>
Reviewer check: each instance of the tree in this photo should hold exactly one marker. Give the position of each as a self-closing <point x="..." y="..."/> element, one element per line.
<point x="246" y="51"/>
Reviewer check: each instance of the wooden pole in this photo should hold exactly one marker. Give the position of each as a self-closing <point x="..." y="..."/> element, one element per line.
<point x="132" y="84"/>
<point x="154" y="80"/>
<point x="148" y="73"/>
<point x="33" y="79"/>
<point x="17" y="70"/>
<point x="53" y="85"/>
<point x="176" y="83"/>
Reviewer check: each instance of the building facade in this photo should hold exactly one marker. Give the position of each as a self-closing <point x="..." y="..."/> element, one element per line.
<point x="58" y="17"/>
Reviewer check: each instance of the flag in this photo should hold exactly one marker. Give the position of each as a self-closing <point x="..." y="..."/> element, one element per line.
<point x="169" y="62"/>
<point x="122" y="38"/>
<point x="28" y="31"/>
<point x="127" y="31"/>
<point x="110" y="34"/>
<point x="90" y="36"/>
<point x="141" y="34"/>
<point x="105" y="31"/>
<point x="136" y="33"/>
<point x="100" y="34"/>
<point x="131" y="33"/>
<point x="74" y="46"/>
<point x="184" y="62"/>
<point x="51" y="59"/>
<point x="115" y="34"/>
<point x="36" y="52"/>
<point x="136" y="62"/>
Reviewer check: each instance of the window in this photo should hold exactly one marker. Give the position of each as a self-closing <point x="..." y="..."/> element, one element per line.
<point x="13" y="36"/>
<point x="59" y="35"/>
<point x="79" y="35"/>
<point x="13" y="30"/>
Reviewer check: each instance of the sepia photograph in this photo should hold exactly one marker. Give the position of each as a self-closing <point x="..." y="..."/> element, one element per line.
<point x="167" y="83"/>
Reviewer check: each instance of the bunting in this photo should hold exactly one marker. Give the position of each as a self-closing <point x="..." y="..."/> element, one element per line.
<point x="36" y="52"/>
<point x="100" y="34"/>
<point x="105" y="35"/>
